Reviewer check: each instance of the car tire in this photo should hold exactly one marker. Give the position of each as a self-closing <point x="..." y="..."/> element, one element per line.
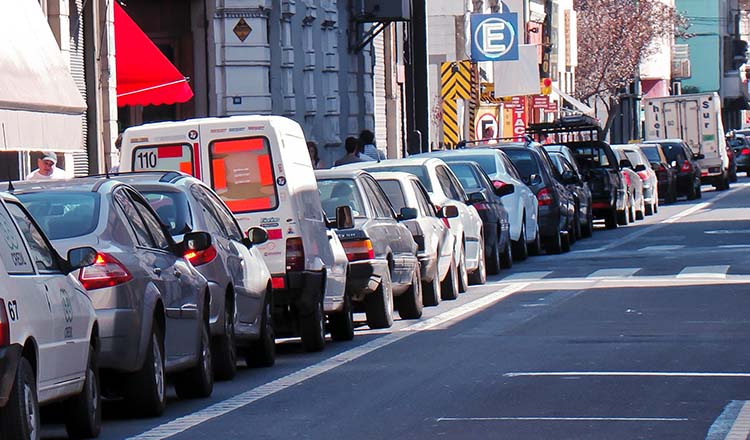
<point x="613" y="219"/>
<point x="409" y="303"/>
<point x="577" y="228"/>
<point x="224" y="349"/>
<point x="198" y="381"/>
<point x="262" y="353"/>
<point x="535" y="247"/>
<point x="449" y="285"/>
<point x="639" y="214"/>
<point x="622" y="217"/>
<point x="431" y="290"/>
<point x="506" y="260"/>
<point x="342" y="323"/>
<point x="693" y="193"/>
<point x="588" y="229"/>
<point x="554" y="244"/>
<point x="479" y="276"/>
<point x="19" y="419"/>
<point x="84" y="411"/>
<point x="146" y="392"/>
<point x="565" y="241"/>
<point x="313" y="327"/>
<point x="698" y="191"/>
<point x="463" y="275"/>
<point x="379" y="304"/>
<point x="493" y="259"/>
<point x="520" y="247"/>
<point x="650" y="209"/>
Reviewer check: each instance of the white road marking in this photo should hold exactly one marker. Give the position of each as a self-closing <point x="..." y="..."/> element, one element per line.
<point x="527" y="276"/>
<point x="692" y="210"/>
<point x="625" y="374"/>
<point x="621" y="272"/>
<point x="660" y="248"/>
<point x="719" y="271"/>
<point x="563" y="419"/>
<point x="734" y="246"/>
<point x="186" y="422"/>
<point x="741" y="426"/>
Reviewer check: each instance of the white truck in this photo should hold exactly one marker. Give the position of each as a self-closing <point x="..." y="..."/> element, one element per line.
<point x="695" y="119"/>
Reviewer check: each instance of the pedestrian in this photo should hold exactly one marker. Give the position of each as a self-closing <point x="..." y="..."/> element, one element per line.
<point x="367" y="139"/>
<point x="312" y="149"/>
<point x="46" y="167"/>
<point x="488" y="135"/>
<point x="352" y="155"/>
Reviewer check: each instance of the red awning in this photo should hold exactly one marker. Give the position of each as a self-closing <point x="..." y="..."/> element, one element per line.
<point x="144" y="75"/>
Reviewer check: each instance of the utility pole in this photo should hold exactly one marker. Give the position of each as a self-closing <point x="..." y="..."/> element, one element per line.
<point x="417" y="101"/>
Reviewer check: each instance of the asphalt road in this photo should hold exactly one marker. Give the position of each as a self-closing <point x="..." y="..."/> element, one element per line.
<point x="639" y="333"/>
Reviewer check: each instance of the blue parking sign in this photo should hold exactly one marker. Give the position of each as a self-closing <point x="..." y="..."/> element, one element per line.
<point x="494" y="37"/>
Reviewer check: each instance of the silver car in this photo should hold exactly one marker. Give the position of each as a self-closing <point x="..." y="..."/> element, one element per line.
<point x="238" y="278"/>
<point x="151" y="303"/>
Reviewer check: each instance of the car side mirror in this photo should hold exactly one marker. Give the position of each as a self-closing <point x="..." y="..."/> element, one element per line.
<point x="344" y="217"/>
<point x="624" y="163"/>
<point x="535" y="179"/>
<point x="448" y="211"/>
<point x="477" y="197"/>
<point x="569" y="177"/>
<point x="197" y="241"/>
<point x="639" y="167"/>
<point x="407" y="213"/>
<point x="504" y="190"/>
<point x="255" y="235"/>
<point x="699" y="156"/>
<point x="81" y="257"/>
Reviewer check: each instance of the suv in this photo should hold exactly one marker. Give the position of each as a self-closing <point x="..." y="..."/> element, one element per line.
<point x="151" y="303"/>
<point x="572" y="179"/>
<point x="49" y="337"/>
<point x="681" y="157"/>
<point x="740" y="146"/>
<point x="665" y="173"/>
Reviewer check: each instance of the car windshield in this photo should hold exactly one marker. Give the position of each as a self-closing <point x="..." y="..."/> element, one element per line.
<point x="671" y="150"/>
<point x="417" y="170"/>
<point x="652" y="153"/>
<point x="172" y="208"/>
<point x="486" y="162"/>
<point x="465" y="175"/>
<point x="523" y="161"/>
<point x="340" y="192"/>
<point x="394" y="192"/>
<point x="63" y="214"/>
<point x="634" y="157"/>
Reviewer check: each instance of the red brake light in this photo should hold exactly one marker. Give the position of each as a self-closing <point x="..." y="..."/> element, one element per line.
<point x="295" y="254"/>
<point x="106" y="271"/>
<point x="544" y="197"/>
<point x="745" y="151"/>
<point x="643" y="175"/>
<point x="4" y="325"/>
<point x="686" y="167"/>
<point x="358" y="249"/>
<point x="197" y="258"/>
<point x="278" y="282"/>
<point x="662" y="169"/>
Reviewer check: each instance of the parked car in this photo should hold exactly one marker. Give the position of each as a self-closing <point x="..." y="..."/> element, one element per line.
<point x="152" y="305"/>
<point x="444" y="189"/>
<point x="489" y="204"/>
<point x="666" y="174"/>
<point x="383" y="265"/>
<point x="635" y="202"/>
<point x="48" y="331"/>
<point x="238" y="278"/>
<point x="430" y="230"/>
<point x="556" y="207"/>
<point x="521" y="204"/>
<point x="681" y="157"/>
<point x="572" y="179"/>
<point x="740" y="146"/>
<point x="642" y="167"/>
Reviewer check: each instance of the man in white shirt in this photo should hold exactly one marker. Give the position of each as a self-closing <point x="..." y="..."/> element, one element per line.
<point x="46" y="168"/>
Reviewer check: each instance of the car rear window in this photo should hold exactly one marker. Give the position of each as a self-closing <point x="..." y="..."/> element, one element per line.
<point x="523" y="161"/>
<point x="417" y="170"/>
<point x="634" y="157"/>
<point x="168" y="157"/>
<point x="486" y="162"/>
<point x="172" y="207"/>
<point x="652" y="153"/>
<point x="394" y="192"/>
<point x="465" y="175"/>
<point x="591" y="156"/>
<point x="63" y="214"/>
<point x="340" y="192"/>
<point x="736" y="142"/>
<point x="673" y="151"/>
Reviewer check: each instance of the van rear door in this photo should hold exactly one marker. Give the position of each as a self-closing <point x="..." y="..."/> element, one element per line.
<point x="173" y="148"/>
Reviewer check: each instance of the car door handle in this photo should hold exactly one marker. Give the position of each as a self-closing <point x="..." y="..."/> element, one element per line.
<point x="177" y="273"/>
<point x="157" y="270"/>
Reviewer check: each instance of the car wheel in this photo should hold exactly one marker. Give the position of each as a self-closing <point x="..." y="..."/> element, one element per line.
<point x="554" y="244"/>
<point x="410" y="302"/>
<point x="19" y="419"/>
<point x="342" y="323"/>
<point x="463" y="275"/>
<point x="379" y="304"/>
<point x="506" y="261"/>
<point x="520" y="248"/>
<point x="493" y="259"/>
<point x="622" y="216"/>
<point x="479" y="276"/>
<point x="698" y="191"/>
<point x="262" y="353"/>
<point x="313" y="327"/>
<point x="224" y="350"/>
<point x="565" y="240"/>
<point x="449" y="286"/>
<point x="650" y="209"/>
<point x="431" y="290"/>
<point x="639" y="214"/>
<point x="693" y="194"/>
<point x="535" y="247"/>
<point x="84" y="411"/>
<point x="613" y="219"/>
<point x="588" y="229"/>
<point x="577" y="228"/>
<point x="198" y="381"/>
<point x="146" y="391"/>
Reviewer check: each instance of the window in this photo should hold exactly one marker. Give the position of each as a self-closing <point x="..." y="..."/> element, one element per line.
<point x="142" y="237"/>
<point x="340" y="192"/>
<point x="242" y="174"/>
<point x="170" y="157"/>
<point x="377" y="198"/>
<point x="226" y="217"/>
<point x="419" y="171"/>
<point x="41" y="252"/>
<point x="63" y="214"/>
<point x="445" y="182"/>
<point x="592" y="156"/>
<point x="511" y="169"/>
<point x="465" y="175"/>
<point x="13" y="252"/>
<point x="152" y="223"/>
<point x="652" y="153"/>
<point x="524" y="162"/>
<point x="394" y="192"/>
<point x="208" y="212"/>
<point x="634" y="157"/>
<point x="674" y="152"/>
<point x="486" y="161"/>
<point x="172" y="208"/>
<point x="427" y="208"/>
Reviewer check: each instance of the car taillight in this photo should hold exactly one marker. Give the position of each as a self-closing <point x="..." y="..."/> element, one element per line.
<point x="106" y="271"/>
<point x="197" y="258"/>
<point x="643" y="175"/>
<point x="745" y="151"/>
<point x="662" y="169"/>
<point x="4" y="325"/>
<point x="544" y="197"/>
<point x="358" y="249"/>
<point x="278" y="282"/>
<point x="295" y="254"/>
<point x="686" y="167"/>
<point x="498" y="184"/>
<point x="626" y="177"/>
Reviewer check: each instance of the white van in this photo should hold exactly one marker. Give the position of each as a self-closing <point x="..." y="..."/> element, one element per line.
<point x="260" y="167"/>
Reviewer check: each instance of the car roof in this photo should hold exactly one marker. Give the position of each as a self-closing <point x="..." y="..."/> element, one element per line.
<point x="155" y="177"/>
<point x="656" y="141"/>
<point x="394" y="175"/>
<point x="339" y="173"/>
<point x="83" y="184"/>
<point x="478" y="150"/>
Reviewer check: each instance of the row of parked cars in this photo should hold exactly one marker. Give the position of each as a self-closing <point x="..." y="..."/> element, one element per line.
<point x="218" y="236"/>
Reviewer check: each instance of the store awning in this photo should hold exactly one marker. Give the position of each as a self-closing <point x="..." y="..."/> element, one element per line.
<point x="578" y="105"/>
<point x="144" y="75"/>
<point x="40" y="105"/>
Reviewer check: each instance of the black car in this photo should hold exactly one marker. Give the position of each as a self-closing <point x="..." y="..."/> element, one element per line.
<point x="682" y="158"/>
<point x="383" y="264"/>
<point x="572" y="179"/>
<point x="740" y="146"/>
<point x="556" y="207"/>
<point x="666" y="174"/>
<point x="487" y="200"/>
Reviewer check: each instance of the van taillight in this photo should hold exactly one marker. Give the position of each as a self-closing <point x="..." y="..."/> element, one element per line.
<point x="4" y="325"/>
<point x="544" y="197"/>
<point x="295" y="255"/>
<point x="686" y="167"/>
<point x="745" y="151"/>
<point x="358" y="249"/>
<point x="197" y="258"/>
<point x="106" y="271"/>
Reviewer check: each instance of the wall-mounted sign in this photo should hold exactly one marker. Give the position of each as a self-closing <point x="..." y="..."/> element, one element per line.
<point x="494" y="37"/>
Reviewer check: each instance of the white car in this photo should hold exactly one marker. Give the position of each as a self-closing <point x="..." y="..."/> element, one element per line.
<point x="642" y="167"/>
<point x="48" y="331"/>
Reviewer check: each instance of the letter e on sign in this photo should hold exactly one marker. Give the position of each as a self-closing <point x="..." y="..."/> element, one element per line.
<point x="494" y="37"/>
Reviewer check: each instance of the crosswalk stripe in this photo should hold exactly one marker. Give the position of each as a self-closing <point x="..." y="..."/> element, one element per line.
<point x="527" y="276"/>
<point x="614" y="273"/>
<point x="719" y="271"/>
<point x="664" y="247"/>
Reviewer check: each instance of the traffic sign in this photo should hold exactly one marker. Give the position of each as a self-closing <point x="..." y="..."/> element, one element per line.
<point x="494" y="37"/>
<point x="486" y="123"/>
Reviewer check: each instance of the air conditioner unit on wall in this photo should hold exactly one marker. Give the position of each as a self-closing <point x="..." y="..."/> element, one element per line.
<point x="681" y="69"/>
<point x="386" y="10"/>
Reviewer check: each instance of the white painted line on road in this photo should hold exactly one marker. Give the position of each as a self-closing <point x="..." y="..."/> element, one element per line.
<point x="731" y="423"/>
<point x="692" y="210"/>
<point x="620" y="272"/>
<point x="741" y="426"/>
<point x="184" y="423"/>
<point x="734" y="246"/>
<point x="625" y="374"/>
<point x="527" y="276"/>
<point x="662" y="248"/>
<point x="719" y="272"/>
<point x="563" y="419"/>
